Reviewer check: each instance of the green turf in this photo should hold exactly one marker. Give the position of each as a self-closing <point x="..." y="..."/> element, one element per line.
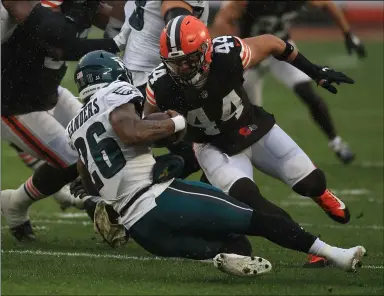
<point x="358" y="112"/>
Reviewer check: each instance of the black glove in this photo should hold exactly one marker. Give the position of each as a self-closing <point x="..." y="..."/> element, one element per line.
<point x="77" y="189"/>
<point x="167" y="166"/>
<point x="326" y="76"/>
<point x="354" y="44"/>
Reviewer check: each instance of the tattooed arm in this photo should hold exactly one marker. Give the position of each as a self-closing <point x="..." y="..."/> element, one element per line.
<point x="133" y="131"/>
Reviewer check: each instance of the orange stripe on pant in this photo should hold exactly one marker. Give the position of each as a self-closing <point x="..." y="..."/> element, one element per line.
<point x="34" y="143"/>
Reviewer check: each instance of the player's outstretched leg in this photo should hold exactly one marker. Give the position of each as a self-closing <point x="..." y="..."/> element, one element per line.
<point x="321" y="115"/>
<point x="187" y="211"/>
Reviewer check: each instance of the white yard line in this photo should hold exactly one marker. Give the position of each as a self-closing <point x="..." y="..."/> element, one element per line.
<point x="38" y="228"/>
<point x="70" y="215"/>
<point x="304" y="224"/>
<point x="39" y="222"/>
<point x="334" y="226"/>
<point x="63" y="222"/>
<point x="121" y="257"/>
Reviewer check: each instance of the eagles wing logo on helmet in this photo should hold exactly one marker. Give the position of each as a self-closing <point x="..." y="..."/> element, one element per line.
<point x="119" y="61"/>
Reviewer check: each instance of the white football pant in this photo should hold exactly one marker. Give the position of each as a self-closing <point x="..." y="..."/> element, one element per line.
<point x="275" y="154"/>
<point x="42" y="134"/>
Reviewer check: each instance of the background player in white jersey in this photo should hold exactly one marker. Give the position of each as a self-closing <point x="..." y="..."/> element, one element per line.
<point x="173" y="218"/>
<point x="253" y="18"/>
<point x="147" y="20"/>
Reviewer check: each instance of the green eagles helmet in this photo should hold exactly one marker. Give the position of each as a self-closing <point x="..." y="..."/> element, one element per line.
<point x="96" y="70"/>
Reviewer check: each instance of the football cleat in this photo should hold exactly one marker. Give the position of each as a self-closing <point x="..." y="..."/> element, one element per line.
<point x="23" y="232"/>
<point x="315" y="262"/>
<point x="17" y="219"/>
<point x="333" y="207"/>
<point x="342" y="150"/>
<point x="349" y="259"/>
<point x="106" y="224"/>
<point x="345" y="155"/>
<point x="241" y="265"/>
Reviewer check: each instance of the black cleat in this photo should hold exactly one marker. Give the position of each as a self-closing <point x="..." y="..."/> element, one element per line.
<point x="23" y="232"/>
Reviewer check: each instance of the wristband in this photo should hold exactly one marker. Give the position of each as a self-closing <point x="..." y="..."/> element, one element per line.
<point x="179" y="122"/>
<point x="286" y="53"/>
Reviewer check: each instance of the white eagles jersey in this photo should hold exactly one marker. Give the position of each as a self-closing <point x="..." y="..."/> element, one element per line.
<point x="8" y="24"/>
<point x="118" y="170"/>
<point x="142" y="51"/>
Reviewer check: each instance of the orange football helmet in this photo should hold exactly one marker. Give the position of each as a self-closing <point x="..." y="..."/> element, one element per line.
<point x="186" y="50"/>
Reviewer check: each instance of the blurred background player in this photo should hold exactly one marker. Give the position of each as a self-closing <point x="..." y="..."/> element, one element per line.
<point x="252" y="18"/>
<point x="35" y="108"/>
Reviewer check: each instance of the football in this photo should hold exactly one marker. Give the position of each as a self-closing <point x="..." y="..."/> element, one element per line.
<point x="168" y="140"/>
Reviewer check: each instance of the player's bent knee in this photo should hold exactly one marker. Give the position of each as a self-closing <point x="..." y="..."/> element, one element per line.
<point x="312" y="185"/>
<point x="296" y="166"/>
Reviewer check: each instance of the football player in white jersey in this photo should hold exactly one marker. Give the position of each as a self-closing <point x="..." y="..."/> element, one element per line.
<point x="172" y="218"/>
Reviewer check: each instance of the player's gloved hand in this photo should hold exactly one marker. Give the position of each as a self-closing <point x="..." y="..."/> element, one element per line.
<point x="167" y="166"/>
<point x="77" y="189"/>
<point x="326" y="76"/>
<point x="353" y="43"/>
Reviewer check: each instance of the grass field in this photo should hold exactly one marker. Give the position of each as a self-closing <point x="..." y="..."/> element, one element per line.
<point x="68" y="258"/>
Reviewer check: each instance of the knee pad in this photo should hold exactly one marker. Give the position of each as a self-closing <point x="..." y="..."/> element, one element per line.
<point x="305" y="91"/>
<point x="312" y="185"/>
